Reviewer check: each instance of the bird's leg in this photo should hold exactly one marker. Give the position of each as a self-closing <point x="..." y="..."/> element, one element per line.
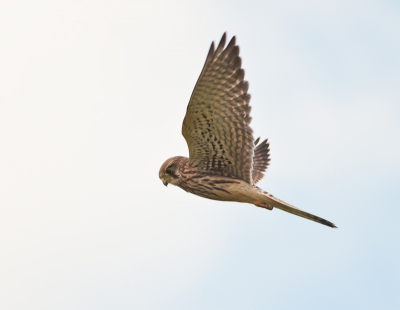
<point x="263" y="205"/>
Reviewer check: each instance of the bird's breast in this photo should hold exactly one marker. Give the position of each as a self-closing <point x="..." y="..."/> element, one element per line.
<point x="219" y="188"/>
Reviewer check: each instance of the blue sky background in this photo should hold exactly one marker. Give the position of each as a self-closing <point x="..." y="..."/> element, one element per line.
<point x="92" y="98"/>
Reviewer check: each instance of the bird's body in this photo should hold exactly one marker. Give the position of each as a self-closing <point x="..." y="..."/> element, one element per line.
<point x="225" y="163"/>
<point x="215" y="185"/>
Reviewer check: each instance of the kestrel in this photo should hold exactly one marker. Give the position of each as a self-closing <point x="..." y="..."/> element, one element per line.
<point x="225" y="163"/>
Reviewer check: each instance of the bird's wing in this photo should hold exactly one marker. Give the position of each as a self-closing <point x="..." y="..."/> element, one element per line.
<point x="216" y="124"/>
<point x="260" y="160"/>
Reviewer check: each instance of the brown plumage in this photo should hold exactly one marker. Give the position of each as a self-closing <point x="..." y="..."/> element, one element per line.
<point x="224" y="161"/>
<point x="260" y="160"/>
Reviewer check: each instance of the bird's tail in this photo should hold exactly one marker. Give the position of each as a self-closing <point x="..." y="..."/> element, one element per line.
<point x="271" y="201"/>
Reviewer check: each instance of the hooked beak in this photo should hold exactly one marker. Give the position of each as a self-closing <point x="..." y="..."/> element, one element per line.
<point x="165" y="180"/>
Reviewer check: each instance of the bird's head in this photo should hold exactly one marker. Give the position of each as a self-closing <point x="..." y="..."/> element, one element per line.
<point x="170" y="170"/>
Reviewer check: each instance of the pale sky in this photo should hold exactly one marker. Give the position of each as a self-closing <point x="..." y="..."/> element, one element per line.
<point x="92" y="98"/>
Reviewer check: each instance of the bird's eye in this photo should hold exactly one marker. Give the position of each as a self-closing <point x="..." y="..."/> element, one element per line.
<point x="168" y="171"/>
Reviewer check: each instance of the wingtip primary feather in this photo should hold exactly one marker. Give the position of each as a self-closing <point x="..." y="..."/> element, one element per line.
<point x="232" y="42"/>
<point x="210" y="52"/>
<point x="221" y="44"/>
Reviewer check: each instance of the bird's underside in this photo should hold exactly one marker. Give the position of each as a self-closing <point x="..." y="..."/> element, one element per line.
<point x="225" y="163"/>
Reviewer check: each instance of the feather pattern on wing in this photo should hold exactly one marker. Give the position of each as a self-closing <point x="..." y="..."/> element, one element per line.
<point x="260" y="160"/>
<point x="216" y="124"/>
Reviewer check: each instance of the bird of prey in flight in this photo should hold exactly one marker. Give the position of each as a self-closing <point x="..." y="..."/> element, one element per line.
<point x="225" y="162"/>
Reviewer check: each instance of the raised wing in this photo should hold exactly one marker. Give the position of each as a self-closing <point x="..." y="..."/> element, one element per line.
<point x="216" y="124"/>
